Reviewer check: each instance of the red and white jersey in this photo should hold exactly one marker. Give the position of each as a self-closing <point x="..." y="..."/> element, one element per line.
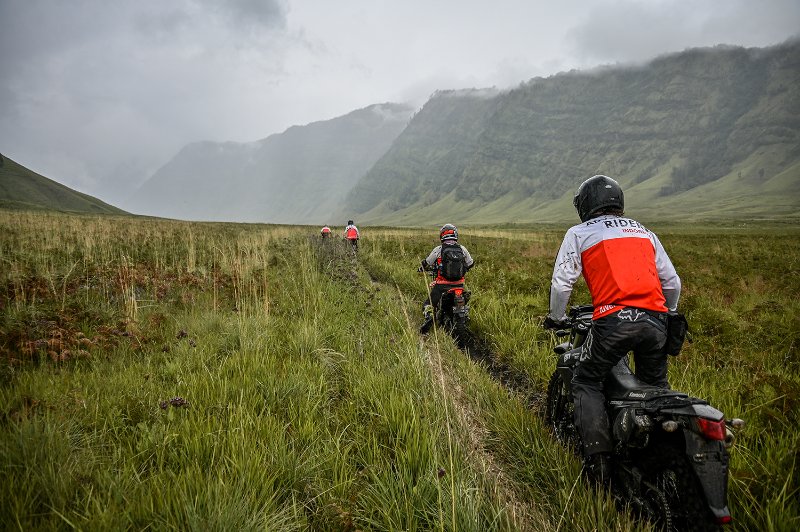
<point x="351" y="232"/>
<point x="624" y="265"/>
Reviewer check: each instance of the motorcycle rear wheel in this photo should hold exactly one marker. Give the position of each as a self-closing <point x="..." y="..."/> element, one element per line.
<point x="460" y="331"/>
<point x="673" y="496"/>
<point x="657" y="506"/>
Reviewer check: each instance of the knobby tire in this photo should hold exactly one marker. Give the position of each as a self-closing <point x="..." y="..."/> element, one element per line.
<point x="559" y="413"/>
<point x="673" y="477"/>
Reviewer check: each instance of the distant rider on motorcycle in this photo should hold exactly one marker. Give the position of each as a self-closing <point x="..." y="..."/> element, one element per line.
<point x="451" y="261"/>
<point x="633" y="284"/>
<point x="351" y="234"/>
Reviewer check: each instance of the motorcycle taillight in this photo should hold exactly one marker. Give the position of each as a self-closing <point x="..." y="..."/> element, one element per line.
<point x="713" y="430"/>
<point x="724" y="520"/>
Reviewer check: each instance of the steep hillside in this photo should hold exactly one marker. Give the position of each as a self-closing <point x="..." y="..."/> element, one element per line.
<point x="300" y="175"/>
<point x="430" y="155"/>
<point x="704" y="133"/>
<point x="21" y="188"/>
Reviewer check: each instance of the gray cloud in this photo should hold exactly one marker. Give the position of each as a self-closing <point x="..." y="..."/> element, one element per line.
<point x="266" y="14"/>
<point x="98" y="94"/>
<point x="636" y="31"/>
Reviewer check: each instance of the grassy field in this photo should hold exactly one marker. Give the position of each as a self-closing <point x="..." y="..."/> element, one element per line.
<point x="176" y="375"/>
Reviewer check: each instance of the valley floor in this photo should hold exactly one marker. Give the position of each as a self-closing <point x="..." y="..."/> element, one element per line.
<point x="174" y="375"/>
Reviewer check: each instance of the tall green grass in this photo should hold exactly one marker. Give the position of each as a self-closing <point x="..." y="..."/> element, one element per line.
<point x="740" y="287"/>
<point x="179" y="375"/>
<point x="258" y="385"/>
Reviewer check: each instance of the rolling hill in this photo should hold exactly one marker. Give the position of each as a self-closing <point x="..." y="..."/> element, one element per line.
<point x="702" y="134"/>
<point x="24" y="189"/>
<point x="299" y="176"/>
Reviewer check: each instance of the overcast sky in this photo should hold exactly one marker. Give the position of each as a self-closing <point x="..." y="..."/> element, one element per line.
<point x="98" y="94"/>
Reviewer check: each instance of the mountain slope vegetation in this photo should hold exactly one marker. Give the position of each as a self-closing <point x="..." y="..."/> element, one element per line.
<point x="300" y="175"/>
<point x="24" y="189"/>
<point x="700" y="134"/>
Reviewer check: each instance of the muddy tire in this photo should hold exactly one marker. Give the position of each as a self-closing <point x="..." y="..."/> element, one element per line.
<point x="460" y="333"/>
<point x="559" y="412"/>
<point x="672" y="494"/>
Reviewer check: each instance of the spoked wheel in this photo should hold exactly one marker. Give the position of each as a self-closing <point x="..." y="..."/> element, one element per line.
<point x="559" y="413"/>
<point x="659" y="498"/>
<point x="673" y="498"/>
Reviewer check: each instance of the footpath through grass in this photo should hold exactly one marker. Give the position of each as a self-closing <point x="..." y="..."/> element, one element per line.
<point x="173" y="375"/>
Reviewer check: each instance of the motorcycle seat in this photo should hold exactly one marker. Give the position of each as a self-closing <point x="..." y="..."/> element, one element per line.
<point x="622" y="384"/>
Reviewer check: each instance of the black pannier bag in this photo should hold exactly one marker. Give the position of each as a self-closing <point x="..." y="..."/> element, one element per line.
<point x="677" y="329"/>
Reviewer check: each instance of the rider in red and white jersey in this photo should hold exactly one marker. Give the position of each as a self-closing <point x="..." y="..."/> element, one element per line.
<point x="624" y="265"/>
<point x="351" y="234"/>
<point x="633" y="285"/>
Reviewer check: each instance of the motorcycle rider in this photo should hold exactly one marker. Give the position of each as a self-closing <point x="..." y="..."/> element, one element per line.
<point x="439" y="258"/>
<point x="351" y="234"/>
<point x="325" y="232"/>
<point x="633" y="285"/>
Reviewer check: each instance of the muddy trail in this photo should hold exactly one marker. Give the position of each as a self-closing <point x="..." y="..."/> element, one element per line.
<point x="480" y="352"/>
<point x="339" y="260"/>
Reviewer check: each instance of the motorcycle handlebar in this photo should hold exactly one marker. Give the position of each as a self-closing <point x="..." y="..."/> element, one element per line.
<point x="577" y="310"/>
<point x="576" y="317"/>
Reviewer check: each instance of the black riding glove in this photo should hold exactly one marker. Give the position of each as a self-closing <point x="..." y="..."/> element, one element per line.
<point x="550" y="323"/>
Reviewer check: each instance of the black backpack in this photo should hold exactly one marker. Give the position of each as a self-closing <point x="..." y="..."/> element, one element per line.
<point x="453" y="266"/>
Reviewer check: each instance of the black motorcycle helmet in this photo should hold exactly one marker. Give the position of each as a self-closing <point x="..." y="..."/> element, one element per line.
<point x="448" y="232"/>
<point x="349" y="222"/>
<point x="598" y="193"/>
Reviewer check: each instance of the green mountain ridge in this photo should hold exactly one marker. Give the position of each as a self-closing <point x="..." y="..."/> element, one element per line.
<point x="24" y="189"/>
<point x="701" y="134"/>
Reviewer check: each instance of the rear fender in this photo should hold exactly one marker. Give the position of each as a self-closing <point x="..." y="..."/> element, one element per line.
<point x="697" y="408"/>
<point x="460" y="307"/>
<point x="709" y="460"/>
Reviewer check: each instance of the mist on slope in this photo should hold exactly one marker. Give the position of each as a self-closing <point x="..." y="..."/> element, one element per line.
<point x="299" y="176"/>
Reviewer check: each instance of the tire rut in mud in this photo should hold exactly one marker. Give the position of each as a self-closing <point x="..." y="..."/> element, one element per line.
<point x="514" y="381"/>
<point x="480" y="352"/>
<point x="336" y="259"/>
